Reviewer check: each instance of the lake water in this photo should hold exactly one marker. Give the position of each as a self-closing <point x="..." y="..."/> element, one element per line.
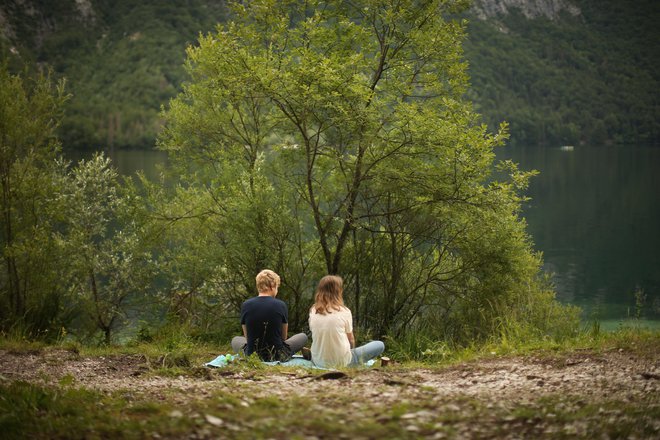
<point x="595" y="215"/>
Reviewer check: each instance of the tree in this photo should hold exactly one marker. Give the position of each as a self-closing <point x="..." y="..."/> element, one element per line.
<point x="342" y="132"/>
<point x="110" y="266"/>
<point x="30" y="178"/>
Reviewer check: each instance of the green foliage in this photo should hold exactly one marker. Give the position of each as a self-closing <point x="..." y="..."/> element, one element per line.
<point x="333" y="138"/>
<point x="417" y="348"/>
<point x="109" y="264"/>
<point x="588" y="79"/>
<point x="120" y="85"/>
<point x="312" y="139"/>
<point x="22" y="401"/>
<point x="30" y="178"/>
<point x="71" y="239"/>
<point x="125" y="59"/>
<point x="33" y="411"/>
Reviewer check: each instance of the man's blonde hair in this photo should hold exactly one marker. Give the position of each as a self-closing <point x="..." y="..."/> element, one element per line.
<point x="267" y="280"/>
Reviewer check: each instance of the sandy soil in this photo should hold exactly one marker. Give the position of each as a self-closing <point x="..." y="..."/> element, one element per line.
<point x="498" y="383"/>
<point x="613" y="374"/>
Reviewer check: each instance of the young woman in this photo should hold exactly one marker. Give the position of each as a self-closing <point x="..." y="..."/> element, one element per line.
<point x="331" y="323"/>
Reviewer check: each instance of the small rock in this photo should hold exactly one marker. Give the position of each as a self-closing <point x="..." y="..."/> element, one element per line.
<point x="417" y="415"/>
<point x="648" y="376"/>
<point x="176" y="414"/>
<point x="215" y="421"/>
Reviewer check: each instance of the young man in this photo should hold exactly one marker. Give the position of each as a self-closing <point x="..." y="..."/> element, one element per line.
<point x="264" y="319"/>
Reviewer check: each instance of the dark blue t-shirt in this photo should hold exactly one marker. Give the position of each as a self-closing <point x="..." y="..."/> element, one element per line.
<point x="263" y="317"/>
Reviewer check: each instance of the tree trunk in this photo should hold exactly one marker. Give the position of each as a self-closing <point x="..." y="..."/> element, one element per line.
<point x="16" y="300"/>
<point x="107" y="335"/>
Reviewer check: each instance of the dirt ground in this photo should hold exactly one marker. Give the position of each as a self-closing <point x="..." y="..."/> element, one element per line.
<point x="474" y="399"/>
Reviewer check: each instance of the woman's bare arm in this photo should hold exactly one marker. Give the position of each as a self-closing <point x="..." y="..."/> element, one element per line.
<point x="351" y="339"/>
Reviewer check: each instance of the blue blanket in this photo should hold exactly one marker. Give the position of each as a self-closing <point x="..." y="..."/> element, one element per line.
<point x="296" y="361"/>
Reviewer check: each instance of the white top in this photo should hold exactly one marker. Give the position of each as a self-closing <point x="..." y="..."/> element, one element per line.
<point x="330" y="346"/>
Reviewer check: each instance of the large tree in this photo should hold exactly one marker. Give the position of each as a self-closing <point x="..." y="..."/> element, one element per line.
<point x="30" y="177"/>
<point x="334" y="137"/>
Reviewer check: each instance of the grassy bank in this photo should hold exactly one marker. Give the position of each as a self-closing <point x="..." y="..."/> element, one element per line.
<point x="592" y="386"/>
<point x="59" y="412"/>
<point x="176" y="348"/>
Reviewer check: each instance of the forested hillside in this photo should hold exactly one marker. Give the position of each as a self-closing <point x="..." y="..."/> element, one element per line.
<point x="586" y="74"/>
<point x="577" y="78"/>
<point x="122" y="59"/>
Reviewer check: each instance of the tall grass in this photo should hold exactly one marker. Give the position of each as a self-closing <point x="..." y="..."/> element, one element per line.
<point x="417" y="348"/>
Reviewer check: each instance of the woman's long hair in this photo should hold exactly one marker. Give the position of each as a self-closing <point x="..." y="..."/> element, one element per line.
<point x="329" y="295"/>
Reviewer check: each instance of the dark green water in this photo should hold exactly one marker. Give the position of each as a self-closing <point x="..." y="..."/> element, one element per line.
<point x="594" y="213"/>
<point x="127" y="162"/>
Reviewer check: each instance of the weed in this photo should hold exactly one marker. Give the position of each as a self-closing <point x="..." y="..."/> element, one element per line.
<point x="417" y="347"/>
<point x="19" y="343"/>
<point x="640" y="301"/>
<point x="67" y="380"/>
<point x="29" y="410"/>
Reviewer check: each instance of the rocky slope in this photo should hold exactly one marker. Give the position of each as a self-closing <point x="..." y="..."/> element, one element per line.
<point x="551" y="9"/>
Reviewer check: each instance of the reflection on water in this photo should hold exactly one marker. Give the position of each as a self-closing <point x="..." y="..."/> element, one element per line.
<point x="129" y="162"/>
<point x="595" y="215"/>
